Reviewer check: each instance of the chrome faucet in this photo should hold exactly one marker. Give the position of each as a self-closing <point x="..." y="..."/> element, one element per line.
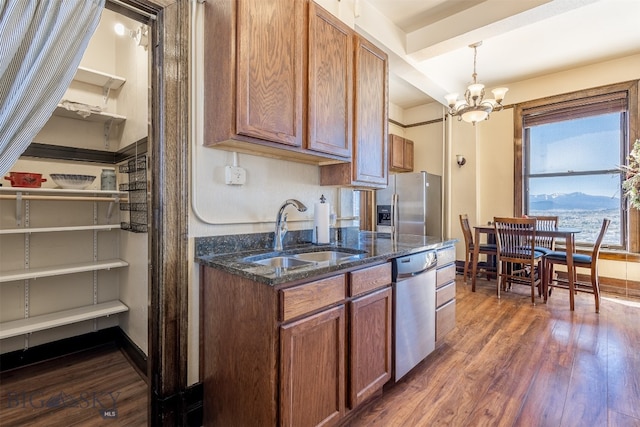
<point x="281" y="222"/>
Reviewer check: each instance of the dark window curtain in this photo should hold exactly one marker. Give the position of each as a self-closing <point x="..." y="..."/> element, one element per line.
<point x="42" y="44"/>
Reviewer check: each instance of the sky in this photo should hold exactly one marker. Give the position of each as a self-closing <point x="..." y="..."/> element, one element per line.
<point x="587" y="144"/>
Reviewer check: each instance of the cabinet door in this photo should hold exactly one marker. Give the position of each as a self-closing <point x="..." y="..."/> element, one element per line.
<point x="371" y="114"/>
<point x="370" y="358"/>
<point x="312" y="369"/>
<point x="271" y="47"/>
<point x="396" y="153"/>
<point x="330" y="83"/>
<point x="408" y="155"/>
<point x="400" y="154"/>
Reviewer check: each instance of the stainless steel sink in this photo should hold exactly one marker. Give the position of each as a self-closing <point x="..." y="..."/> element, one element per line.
<point x="302" y="259"/>
<point x="280" y="261"/>
<point x="325" y="256"/>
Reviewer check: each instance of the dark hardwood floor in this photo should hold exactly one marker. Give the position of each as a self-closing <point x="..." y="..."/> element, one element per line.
<point x="91" y="388"/>
<point x="509" y="363"/>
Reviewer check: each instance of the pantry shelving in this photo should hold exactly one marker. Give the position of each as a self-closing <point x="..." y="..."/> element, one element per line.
<point x="105" y="227"/>
<point x="61" y="318"/>
<point x="35" y="273"/>
<point x="95" y="116"/>
<point x="97" y="220"/>
<point x="20" y="194"/>
<point x="103" y="82"/>
<point x="99" y="78"/>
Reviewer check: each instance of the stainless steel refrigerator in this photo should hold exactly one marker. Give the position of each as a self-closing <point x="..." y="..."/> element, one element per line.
<point x="411" y="204"/>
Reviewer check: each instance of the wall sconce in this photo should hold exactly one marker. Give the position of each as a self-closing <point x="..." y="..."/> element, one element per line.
<point x="460" y="160"/>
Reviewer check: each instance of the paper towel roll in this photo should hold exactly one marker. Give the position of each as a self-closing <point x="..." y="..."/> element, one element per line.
<point x="321" y="213"/>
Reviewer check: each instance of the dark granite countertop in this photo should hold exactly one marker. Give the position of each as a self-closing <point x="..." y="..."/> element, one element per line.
<point x="367" y="247"/>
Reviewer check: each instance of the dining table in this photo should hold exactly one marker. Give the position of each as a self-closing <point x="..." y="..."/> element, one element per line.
<point x="568" y="233"/>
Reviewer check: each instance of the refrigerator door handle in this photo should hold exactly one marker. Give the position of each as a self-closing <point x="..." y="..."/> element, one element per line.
<point x="395" y="215"/>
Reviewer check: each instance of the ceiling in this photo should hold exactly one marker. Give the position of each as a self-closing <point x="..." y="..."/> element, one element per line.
<point x="428" y="40"/>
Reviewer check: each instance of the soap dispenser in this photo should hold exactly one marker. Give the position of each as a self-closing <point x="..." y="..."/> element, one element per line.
<point x="321" y="213"/>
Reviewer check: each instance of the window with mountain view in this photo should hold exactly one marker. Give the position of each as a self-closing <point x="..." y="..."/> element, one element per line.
<point x="569" y="149"/>
<point x="571" y="170"/>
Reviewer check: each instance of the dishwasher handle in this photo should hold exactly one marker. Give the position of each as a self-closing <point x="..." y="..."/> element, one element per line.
<point x="413" y="265"/>
<point x="412" y="274"/>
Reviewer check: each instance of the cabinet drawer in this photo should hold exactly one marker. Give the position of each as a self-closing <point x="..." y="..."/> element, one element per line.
<point x="368" y="279"/>
<point x="445" y="294"/>
<point x="445" y="319"/>
<point x="446" y="256"/>
<point x="306" y="298"/>
<point x="445" y="275"/>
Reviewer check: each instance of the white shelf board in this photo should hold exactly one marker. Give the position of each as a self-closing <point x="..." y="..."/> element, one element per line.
<point x="53" y="229"/>
<point x="60" y="191"/>
<point x="98" y="78"/>
<point x="34" y="273"/>
<point x="102" y="117"/>
<point x="60" y="318"/>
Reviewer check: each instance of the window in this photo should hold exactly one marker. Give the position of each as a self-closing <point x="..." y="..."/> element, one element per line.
<point x="568" y="152"/>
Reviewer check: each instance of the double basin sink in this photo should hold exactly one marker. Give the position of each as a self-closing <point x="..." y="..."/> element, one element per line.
<point x="304" y="259"/>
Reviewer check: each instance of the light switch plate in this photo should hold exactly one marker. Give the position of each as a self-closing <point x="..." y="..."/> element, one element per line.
<point x="234" y="175"/>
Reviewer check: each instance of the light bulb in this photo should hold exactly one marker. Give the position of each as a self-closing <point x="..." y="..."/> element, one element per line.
<point x="119" y="29"/>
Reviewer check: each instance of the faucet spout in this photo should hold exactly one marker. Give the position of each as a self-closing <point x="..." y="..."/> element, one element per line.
<point x="281" y="222"/>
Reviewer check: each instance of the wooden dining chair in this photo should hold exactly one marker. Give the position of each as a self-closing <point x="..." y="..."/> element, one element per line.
<point x="589" y="262"/>
<point x="488" y="249"/>
<point x="545" y="244"/>
<point x="518" y="261"/>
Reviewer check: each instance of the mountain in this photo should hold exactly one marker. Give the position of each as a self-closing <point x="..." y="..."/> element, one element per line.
<point x="572" y="201"/>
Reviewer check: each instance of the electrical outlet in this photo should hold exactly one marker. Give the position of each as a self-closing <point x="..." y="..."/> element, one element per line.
<point x="234" y="175"/>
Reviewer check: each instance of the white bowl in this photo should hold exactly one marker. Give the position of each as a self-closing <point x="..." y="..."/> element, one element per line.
<point x="73" y="182"/>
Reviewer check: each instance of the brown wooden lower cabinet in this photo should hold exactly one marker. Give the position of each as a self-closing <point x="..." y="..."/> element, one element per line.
<point x="294" y="355"/>
<point x="312" y="371"/>
<point x="370" y="350"/>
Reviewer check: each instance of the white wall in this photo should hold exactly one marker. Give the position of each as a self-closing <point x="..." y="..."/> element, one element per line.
<point x="428" y="147"/>
<point x="133" y="62"/>
<point x="133" y="288"/>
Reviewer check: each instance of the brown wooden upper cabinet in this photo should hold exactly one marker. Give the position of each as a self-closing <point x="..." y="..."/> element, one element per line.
<point x="330" y="83"/>
<point x="278" y="80"/>
<point x="400" y="154"/>
<point x="253" y="80"/>
<point x="369" y="168"/>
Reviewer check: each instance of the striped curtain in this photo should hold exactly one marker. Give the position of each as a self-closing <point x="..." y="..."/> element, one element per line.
<point x="42" y="44"/>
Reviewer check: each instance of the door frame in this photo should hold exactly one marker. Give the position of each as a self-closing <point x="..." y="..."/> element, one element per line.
<point x="168" y="234"/>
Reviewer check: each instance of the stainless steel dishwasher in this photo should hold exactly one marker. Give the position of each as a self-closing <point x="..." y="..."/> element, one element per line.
<point x="414" y="309"/>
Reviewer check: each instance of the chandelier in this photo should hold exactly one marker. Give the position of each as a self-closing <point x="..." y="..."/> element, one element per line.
<point x="474" y="108"/>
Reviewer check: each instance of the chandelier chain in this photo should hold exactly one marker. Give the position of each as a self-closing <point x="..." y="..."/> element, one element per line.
<point x="475" y="56"/>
